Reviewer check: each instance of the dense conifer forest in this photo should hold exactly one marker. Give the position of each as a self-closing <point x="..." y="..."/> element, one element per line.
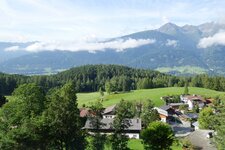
<point x="110" y="78"/>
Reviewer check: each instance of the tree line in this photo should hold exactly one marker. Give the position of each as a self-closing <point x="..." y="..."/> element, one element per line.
<point x="109" y="78"/>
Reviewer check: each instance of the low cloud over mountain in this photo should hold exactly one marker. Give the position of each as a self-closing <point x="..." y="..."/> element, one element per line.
<point x="215" y="40"/>
<point x="118" y="45"/>
<point x="172" y="43"/>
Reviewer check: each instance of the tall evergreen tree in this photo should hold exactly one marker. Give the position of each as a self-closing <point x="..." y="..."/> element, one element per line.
<point x="186" y="90"/>
<point x="120" y="123"/>
<point x="108" y="87"/>
<point x="3" y="100"/>
<point x="62" y="117"/>
<point x="97" y="140"/>
<point x="149" y="114"/>
<point x="101" y="94"/>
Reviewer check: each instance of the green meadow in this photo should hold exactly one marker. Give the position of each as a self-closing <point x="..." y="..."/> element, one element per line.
<point x="142" y="95"/>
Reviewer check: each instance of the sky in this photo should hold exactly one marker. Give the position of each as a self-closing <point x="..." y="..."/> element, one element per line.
<point x="80" y="24"/>
<point x="68" y="20"/>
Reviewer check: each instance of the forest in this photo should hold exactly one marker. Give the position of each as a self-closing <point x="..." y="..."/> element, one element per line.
<point x="110" y="78"/>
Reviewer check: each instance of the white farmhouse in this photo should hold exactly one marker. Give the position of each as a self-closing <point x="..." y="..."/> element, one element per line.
<point x="133" y="131"/>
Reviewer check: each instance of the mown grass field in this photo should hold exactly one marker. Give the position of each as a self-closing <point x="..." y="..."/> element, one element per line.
<point x="136" y="144"/>
<point x="142" y="95"/>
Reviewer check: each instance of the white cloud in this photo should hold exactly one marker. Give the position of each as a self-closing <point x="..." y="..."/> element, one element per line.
<point x="216" y="39"/>
<point x="172" y="43"/>
<point x="12" y="48"/>
<point x="70" y="20"/>
<point x="118" y="45"/>
<point x="165" y="19"/>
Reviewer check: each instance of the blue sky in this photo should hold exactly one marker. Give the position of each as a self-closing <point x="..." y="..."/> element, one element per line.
<point x="68" y="20"/>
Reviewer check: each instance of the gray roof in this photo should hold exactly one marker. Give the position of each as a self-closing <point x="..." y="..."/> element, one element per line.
<point x="195" y="124"/>
<point x="135" y="124"/>
<point x="191" y="115"/>
<point x="165" y="107"/>
<point x="176" y="104"/>
<point x="109" y="109"/>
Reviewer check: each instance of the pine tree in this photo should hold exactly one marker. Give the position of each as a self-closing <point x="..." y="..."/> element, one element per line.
<point x="186" y="91"/>
<point x="120" y="123"/>
<point x="63" y="120"/>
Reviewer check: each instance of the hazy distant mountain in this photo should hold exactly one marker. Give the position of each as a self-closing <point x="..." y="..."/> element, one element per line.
<point x="7" y="50"/>
<point x="174" y="50"/>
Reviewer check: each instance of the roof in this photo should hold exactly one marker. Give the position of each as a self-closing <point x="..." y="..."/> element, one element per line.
<point x="135" y="124"/>
<point x="165" y="107"/>
<point x="194" y="97"/>
<point x="84" y="112"/>
<point x="176" y="104"/>
<point x="195" y="124"/>
<point x="210" y="100"/>
<point x="109" y="109"/>
<point x="162" y="110"/>
<point x="191" y="115"/>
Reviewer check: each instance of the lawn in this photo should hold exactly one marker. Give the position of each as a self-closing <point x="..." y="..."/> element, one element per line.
<point x="141" y="95"/>
<point x="136" y="144"/>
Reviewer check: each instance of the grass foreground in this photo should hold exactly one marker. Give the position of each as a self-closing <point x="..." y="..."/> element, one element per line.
<point x="142" y="95"/>
<point x="136" y="144"/>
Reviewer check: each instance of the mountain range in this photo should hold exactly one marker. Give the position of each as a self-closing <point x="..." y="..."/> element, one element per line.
<point x="179" y="50"/>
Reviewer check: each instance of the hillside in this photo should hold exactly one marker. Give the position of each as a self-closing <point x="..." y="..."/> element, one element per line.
<point x="172" y="49"/>
<point x="142" y="95"/>
<point x="90" y="78"/>
<point x="111" y="78"/>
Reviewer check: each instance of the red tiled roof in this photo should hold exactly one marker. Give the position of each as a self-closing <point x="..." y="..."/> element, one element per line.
<point x="197" y="97"/>
<point x="84" y="112"/>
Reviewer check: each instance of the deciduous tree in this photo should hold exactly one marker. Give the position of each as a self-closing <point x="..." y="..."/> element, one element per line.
<point x="157" y="136"/>
<point x="206" y="118"/>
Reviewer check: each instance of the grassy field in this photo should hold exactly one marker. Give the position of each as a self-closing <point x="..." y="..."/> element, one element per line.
<point x="136" y="144"/>
<point x="141" y="95"/>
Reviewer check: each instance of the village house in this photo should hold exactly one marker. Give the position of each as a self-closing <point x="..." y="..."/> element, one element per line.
<point x="193" y="100"/>
<point x="165" y="112"/>
<point x="109" y="112"/>
<point x="133" y="131"/>
<point x="108" y="115"/>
